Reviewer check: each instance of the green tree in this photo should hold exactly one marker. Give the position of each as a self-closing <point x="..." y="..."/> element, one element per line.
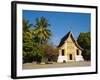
<point x="38" y="53"/>
<point x="42" y="34"/>
<point x="84" y="41"/>
<point x="31" y="49"/>
<point x="34" y="39"/>
<point x="27" y="42"/>
<point x="41" y="30"/>
<point x="26" y="25"/>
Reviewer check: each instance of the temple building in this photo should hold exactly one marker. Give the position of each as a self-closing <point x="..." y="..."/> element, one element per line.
<point x="69" y="50"/>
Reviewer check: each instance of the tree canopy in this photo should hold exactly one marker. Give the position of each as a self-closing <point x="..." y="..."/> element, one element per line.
<point x="84" y="41"/>
<point x="35" y="40"/>
<point x="41" y="30"/>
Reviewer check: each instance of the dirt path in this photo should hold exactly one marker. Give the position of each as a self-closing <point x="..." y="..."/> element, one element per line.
<point x="56" y="65"/>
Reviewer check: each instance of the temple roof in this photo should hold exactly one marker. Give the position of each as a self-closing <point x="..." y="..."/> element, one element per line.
<point x="66" y="37"/>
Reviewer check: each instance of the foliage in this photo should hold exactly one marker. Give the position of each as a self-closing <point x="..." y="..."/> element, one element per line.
<point x="27" y="44"/>
<point x="41" y="30"/>
<point x="84" y="41"/>
<point x="26" y="25"/>
<point x="86" y="54"/>
<point x="51" y="52"/>
<point x="34" y="39"/>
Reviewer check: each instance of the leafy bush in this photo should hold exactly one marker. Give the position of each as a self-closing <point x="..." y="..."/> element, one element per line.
<point x="84" y="41"/>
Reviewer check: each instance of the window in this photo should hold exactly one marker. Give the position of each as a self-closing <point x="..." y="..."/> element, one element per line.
<point x="77" y="52"/>
<point x="63" y="52"/>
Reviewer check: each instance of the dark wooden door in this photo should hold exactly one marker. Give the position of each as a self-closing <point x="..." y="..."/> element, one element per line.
<point x="70" y="56"/>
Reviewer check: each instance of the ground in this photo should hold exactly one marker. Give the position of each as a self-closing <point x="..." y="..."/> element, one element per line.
<point x="56" y="65"/>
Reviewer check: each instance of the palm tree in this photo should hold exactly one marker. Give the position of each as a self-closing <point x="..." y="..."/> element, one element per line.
<point x="42" y="30"/>
<point x="26" y="25"/>
<point x="27" y="41"/>
<point x="27" y="34"/>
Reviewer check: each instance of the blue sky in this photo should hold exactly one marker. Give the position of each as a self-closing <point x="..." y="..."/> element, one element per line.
<point x="61" y="22"/>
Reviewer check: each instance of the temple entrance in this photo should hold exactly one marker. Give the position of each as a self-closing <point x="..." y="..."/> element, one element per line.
<point x="70" y="56"/>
